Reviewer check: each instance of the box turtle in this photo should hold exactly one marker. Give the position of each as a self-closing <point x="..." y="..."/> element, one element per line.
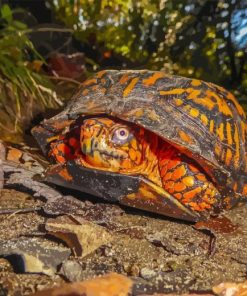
<point x="167" y="144"/>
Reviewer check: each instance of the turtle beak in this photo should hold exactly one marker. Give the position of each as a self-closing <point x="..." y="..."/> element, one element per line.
<point x="86" y="147"/>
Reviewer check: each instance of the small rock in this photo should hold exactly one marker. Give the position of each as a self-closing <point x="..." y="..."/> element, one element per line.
<point x="35" y="255"/>
<point x="72" y="270"/>
<point x="147" y="273"/>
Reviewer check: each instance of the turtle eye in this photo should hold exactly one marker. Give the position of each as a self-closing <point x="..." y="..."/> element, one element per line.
<point x="121" y="135"/>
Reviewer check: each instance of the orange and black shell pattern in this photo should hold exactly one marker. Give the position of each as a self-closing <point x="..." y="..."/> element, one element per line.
<point x="202" y="120"/>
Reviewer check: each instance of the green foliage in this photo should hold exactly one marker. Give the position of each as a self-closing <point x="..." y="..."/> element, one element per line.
<point x="190" y="38"/>
<point x="21" y="87"/>
<point x="184" y="37"/>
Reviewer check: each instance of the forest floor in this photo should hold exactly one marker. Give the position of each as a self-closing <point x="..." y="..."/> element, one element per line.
<point x="76" y="237"/>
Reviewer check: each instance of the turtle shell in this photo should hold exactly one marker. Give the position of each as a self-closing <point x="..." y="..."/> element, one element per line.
<point x="202" y="120"/>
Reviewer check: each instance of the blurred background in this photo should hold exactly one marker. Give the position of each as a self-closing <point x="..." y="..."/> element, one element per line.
<point x="47" y="48"/>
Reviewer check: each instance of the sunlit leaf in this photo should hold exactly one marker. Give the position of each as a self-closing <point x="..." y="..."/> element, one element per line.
<point x="6" y="13"/>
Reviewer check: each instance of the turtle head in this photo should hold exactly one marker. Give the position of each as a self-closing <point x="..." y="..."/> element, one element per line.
<point x="110" y="144"/>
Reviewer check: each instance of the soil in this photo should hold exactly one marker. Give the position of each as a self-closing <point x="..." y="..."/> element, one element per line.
<point x="160" y="254"/>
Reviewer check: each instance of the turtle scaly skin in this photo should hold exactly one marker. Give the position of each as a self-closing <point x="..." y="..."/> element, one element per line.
<point x="188" y="140"/>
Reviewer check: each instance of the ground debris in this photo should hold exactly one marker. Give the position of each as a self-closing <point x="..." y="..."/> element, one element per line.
<point x="159" y="254"/>
<point x="100" y="213"/>
<point x="109" y="285"/>
<point x="34" y="255"/>
<point x="82" y="236"/>
<point x="72" y="271"/>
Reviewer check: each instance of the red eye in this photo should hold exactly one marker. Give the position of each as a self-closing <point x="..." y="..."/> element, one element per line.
<point x="121" y="135"/>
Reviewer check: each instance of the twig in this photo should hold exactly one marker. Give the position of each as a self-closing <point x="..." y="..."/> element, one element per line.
<point x="17" y="211"/>
<point x="48" y="29"/>
<point x="52" y="93"/>
<point x="64" y="78"/>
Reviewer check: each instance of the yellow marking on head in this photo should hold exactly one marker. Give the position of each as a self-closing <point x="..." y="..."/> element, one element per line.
<point x="132" y="154"/>
<point x="97" y="157"/>
<point x="204" y="119"/>
<point x="229" y="133"/>
<point x="126" y="164"/>
<point x="153" y="78"/>
<point x="134" y="144"/>
<point x="211" y="126"/>
<point x="196" y="82"/>
<point x="220" y="131"/>
<point x="138" y="156"/>
<point x="130" y="86"/>
<point x="228" y="156"/>
<point x="194" y="112"/>
<point x="107" y="122"/>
